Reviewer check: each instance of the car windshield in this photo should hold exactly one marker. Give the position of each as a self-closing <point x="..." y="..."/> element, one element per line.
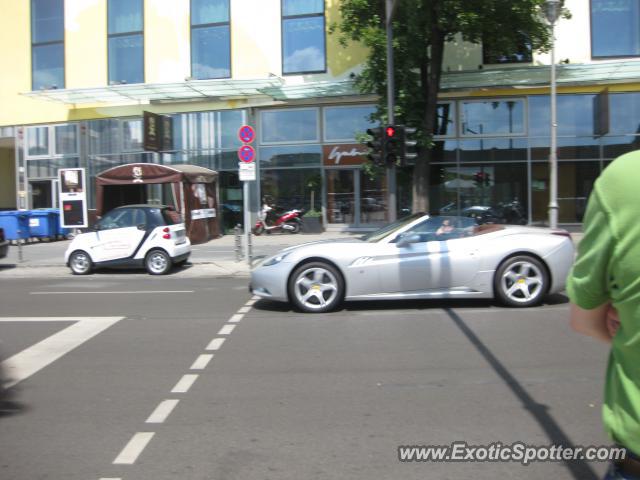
<point x="389" y="229"/>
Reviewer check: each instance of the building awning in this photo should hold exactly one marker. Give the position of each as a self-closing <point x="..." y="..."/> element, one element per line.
<point x="597" y="74"/>
<point x="151" y="92"/>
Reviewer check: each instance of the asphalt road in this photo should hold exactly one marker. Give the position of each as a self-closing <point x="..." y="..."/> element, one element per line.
<point x="188" y="378"/>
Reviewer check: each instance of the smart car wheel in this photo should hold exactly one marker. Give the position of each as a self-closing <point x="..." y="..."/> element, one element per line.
<point x="316" y="287"/>
<point x="157" y="262"/>
<point x="521" y="281"/>
<point x="80" y="263"/>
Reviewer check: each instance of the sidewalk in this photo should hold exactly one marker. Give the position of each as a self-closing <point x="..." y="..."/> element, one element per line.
<point x="214" y="258"/>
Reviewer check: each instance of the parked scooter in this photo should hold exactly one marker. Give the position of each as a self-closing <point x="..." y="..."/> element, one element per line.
<point x="268" y="221"/>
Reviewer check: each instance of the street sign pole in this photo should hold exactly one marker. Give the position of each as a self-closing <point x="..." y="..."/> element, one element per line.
<point x="247" y="222"/>
<point x="246" y="173"/>
<point x="391" y="169"/>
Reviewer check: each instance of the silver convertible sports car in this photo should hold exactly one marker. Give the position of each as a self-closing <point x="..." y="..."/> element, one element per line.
<point x="418" y="257"/>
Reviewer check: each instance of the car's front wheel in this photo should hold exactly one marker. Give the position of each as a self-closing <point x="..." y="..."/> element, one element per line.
<point x="316" y="287"/>
<point x="158" y="262"/>
<point x="521" y="281"/>
<point x="80" y="263"/>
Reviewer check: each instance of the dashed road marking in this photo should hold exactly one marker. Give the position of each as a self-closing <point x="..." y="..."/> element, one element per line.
<point x="226" y="330"/>
<point x="236" y="318"/>
<point x="244" y="309"/>
<point x="185" y="383"/>
<point x="134" y="448"/>
<point x="215" y="344"/>
<point x="33" y="359"/>
<point x="202" y="361"/>
<point x="162" y="411"/>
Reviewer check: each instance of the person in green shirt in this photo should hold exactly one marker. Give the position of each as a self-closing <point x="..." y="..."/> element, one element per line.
<point x="604" y="290"/>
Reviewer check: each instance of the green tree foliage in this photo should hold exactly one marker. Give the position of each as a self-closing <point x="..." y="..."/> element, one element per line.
<point x="420" y="30"/>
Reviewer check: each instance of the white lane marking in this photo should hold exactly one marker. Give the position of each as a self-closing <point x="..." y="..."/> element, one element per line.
<point x="134" y="448"/>
<point x="202" y="361"/>
<point x="215" y="344"/>
<point x="250" y="302"/>
<point x="226" y="330"/>
<point x="162" y="411"/>
<point x="461" y="311"/>
<point x="104" y="478"/>
<point x="244" y="310"/>
<point x="135" y="292"/>
<point x="33" y="359"/>
<point x="236" y="318"/>
<point x="185" y="383"/>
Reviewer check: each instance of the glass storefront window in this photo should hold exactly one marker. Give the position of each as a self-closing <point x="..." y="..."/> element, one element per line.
<point x="496" y="192"/>
<point x="132" y="135"/>
<point x="569" y="148"/>
<point x="342" y="124"/>
<point x="211" y="52"/>
<point x="66" y="139"/>
<point x="229" y="123"/>
<point x="613" y="147"/>
<point x="49" y="168"/>
<point x="37" y="141"/>
<point x="291" y="125"/>
<point x="492" y="117"/>
<point x="575" y="115"/>
<point x="445" y="119"/>
<point x="493" y="149"/>
<point x="289" y="189"/>
<point x="624" y="113"/>
<point x="295" y="156"/>
<point x="207" y="130"/>
<point x="444" y="151"/>
<point x="47" y="44"/>
<point x="104" y="136"/>
<point x="575" y="182"/>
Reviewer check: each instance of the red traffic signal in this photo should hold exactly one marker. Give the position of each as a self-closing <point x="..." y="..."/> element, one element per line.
<point x="390" y="132"/>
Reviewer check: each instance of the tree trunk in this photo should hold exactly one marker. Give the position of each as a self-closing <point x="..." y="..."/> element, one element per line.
<point x="430" y="77"/>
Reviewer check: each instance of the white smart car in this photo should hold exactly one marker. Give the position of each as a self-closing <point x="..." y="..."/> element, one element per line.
<point x="149" y="236"/>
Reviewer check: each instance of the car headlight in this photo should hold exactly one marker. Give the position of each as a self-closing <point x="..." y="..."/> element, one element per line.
<point x="275" y="259"/>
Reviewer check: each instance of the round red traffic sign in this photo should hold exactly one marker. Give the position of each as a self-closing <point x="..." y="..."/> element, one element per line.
<point x="246" y="153"/>
<point x="246" y="134"/>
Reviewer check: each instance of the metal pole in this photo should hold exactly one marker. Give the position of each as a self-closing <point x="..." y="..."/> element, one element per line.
<point x="247" y="221"/>
<point x="391" y="169"/>
<point x="553" y="154"/>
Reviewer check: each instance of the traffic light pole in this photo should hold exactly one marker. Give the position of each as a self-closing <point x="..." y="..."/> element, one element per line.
<point x="391" y="169"/>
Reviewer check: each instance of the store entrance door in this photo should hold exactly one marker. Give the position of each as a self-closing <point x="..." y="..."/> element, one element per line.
<point x="354" y="199"/>
<point x="44" y="193"/>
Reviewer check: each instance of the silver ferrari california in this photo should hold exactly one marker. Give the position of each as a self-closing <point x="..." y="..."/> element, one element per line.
<point x="418" y="257"/>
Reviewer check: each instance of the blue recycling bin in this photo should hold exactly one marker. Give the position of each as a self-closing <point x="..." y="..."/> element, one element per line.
<point x="15" y="224"/>
<point x="59" y="231"/>
<point x="42" y="224"/>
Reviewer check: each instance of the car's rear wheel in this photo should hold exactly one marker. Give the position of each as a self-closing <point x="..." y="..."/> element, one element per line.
<point x="521" y="281"/>
<point x="316" y="287"/>
<point x="80" y="263"/>
<point x="157" y="262"/>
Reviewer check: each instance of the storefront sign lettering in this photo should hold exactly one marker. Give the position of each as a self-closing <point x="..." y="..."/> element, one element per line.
<point x="339" y="155"/>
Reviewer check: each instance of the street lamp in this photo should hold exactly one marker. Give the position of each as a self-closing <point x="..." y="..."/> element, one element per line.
<point x="552" y="12"/>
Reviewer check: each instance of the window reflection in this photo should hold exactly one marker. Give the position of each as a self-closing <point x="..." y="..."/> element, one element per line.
<point x="47" y="44"/>
<point x="624" y="113"/>
<point x="493" y="149"/>
<point x="289" y="189"/>
<point x="296" y="156"/>
<point x="496" y="117"/>
<point x="125" y="43"/>
<point x="615" y="28"/>
<point x="210" y="39"/>
<point x="297" y="125"/>
<point x="344" y="123"/>
<point x="303" y="36"/>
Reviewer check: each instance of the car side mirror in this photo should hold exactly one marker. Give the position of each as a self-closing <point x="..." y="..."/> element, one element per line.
<point x="407" y="239"/>
<point x="142" y="226"/>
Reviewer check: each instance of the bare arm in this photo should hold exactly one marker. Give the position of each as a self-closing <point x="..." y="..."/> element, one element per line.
<point x="591" y="322"/>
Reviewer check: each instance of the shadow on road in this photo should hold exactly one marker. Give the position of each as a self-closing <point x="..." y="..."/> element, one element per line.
<point x="381" y="305"/>
<point x="580" y="469"/>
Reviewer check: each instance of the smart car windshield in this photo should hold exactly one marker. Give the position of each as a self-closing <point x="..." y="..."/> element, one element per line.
<point x="378" y="235"/>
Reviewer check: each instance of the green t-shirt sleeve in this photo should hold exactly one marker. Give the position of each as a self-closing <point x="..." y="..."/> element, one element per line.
<point x="588" y="282"/>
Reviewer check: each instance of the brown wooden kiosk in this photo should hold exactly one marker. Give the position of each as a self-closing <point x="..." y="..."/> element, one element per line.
<point x="191" y="189"/>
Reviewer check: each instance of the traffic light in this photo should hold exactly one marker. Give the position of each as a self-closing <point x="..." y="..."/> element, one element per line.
<point x="482" y="179"/>
<point x="376" y="145"/>
<point x="406" y="144"/>
<point x="392" y="151"/>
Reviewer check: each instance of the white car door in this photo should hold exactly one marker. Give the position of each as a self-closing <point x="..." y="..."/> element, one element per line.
<point x="118" y="234"/>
